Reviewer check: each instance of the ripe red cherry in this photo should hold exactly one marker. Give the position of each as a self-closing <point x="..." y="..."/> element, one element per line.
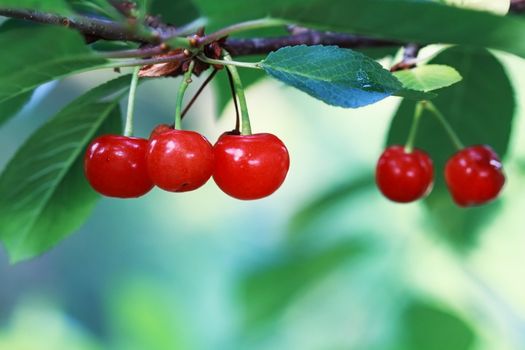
<point x="404" y="177"/>
<point x="179" y="161"/>
<point x="160" y="129"/>
<point x="474" y="176"/>
<point x="115" y="166"/>
<point x="250" y="166"/>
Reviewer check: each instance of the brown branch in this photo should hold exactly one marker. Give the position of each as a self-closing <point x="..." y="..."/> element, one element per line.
<point x="255" y="46"/>
<point x="517" y="6"/>
<point x="156" y="31"/>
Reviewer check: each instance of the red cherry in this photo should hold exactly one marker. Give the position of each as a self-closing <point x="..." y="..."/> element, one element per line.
<point x="179" y="161"/>
<point x="160" y="129"/>
<point x="115" y="166"/>
<point x="474" y="175"/>
<point x="404" y="177"/>
<point x="250" y="166"/>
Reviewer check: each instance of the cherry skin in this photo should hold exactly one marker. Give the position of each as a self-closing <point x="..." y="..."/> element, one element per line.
<point x="115" y="166"/>
<point x="179" y="160"/>
<point x="404" y="177"/>
<point x="474" y="175"/>
<point x="250" y="166"/>
<point x="160" y="129"/>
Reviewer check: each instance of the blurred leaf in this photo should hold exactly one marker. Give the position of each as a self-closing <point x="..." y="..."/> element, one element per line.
<point x="43" y="193"/>
<point x="28" y="63"/>
<point x="427" y="327"/>
<point x="142" y="317"/>
<point x="382" y="18"/>
<point x="328" y="200"/>
<point x="428" y="77"/>
<point x="175" y="12"/>
<point x="481" y="110"/>
<point x="50" y="329"/>
<point x="96" y="7"/>
<point x="339" y="77"/>
<point x="267" y="292"/>
<point x="56" y="6"/>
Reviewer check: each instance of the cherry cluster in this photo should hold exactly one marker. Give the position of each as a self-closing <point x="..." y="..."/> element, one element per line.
<point x="474" y="175"/>
<point x="243" y="166"/>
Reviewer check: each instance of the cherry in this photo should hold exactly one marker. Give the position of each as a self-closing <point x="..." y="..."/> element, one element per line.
<point x="402" y="176"/>
<point x="250" y="166"/>
<point x="474" y="175"/>
<point x="160" y="129"/>
<point x="179" y="160"/>
<point x="115" y="166"/>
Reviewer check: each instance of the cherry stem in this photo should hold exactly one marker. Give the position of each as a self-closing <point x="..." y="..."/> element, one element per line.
<point x="186" y="80"/>
<point x="128" y="129"/>
<point x="239" y="90"/>
<point x="254" y="65"/>
<point x="446" y="125"/>
<point x="242" y="27"/>
<point x="235" y="102"/>
<point x="409" y="146"/>
<point x="197" y="94"/>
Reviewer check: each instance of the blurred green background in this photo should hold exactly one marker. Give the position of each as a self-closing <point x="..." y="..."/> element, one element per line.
<point x="326" y="263"/>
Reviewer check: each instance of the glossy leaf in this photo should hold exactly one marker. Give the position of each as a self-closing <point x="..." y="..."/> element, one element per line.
<point x="481" y="110"/>
<point x="29" y="63"/>
<point x="43" y="193"/>
<point x="266" y="292"/>
<point x="175" y="12"/>
<point x="339" y="77"/>
<point x="56" y="6"/>
<point x="382" y="18"/>
<point x="497" y="6"/>
<point x="428" y="77"/>
<point x="428" y="327"/>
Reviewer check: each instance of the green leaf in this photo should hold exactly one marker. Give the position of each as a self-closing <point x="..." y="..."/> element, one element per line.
<point x="28" y="63"/>
<point x="428" y="327"/>
<point x="96" y="7"/>
<point x="339" y="77"/>
<point x="429" y="22"/>
<point x="266" y="292"/>
<point x="175" y="12"/>
<point x="43" y="193"/>
<point x="56" y="6"/>
<point x="12" y="106"/>
<point x="428" y="77"/>
<point x="481" y="110"/>
<point x="497" y="6"/>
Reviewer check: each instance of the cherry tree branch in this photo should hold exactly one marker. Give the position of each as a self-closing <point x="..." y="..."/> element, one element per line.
<point x="155" y="32"/>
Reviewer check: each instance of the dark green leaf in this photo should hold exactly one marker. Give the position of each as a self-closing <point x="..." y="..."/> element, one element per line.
<point x="43" y="193"/>
<point x="405" y="20"/>
<point x="29" y="63"/>
<point x="56" y="6"/>
<point x="481" y="110"/>
<point x="339" y="77"/>
<point x="428" y="327"/>
<point x="175" y="12"/>
<point x="95" y="7"/>
<point x="267" y="292"/>
<point x="10" y="107"/>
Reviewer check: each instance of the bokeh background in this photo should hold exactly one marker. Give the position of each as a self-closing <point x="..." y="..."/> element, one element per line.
<point x="325" y="263"/>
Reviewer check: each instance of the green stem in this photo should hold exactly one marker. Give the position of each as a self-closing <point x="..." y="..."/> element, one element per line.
<point x="128" y="129"/>
<point x="446" y="125"/>
<point x="409" y="146"/>
<point x="239" y="89"/>
<point x="241" y="27"/>
<point x="254" y="65"/>
<point x="186" y="80"/>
